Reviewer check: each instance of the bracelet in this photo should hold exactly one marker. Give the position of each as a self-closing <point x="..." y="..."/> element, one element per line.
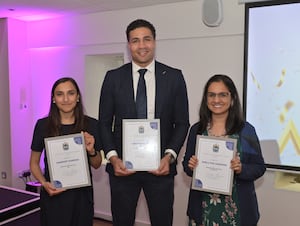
<point x="93" y="155"/>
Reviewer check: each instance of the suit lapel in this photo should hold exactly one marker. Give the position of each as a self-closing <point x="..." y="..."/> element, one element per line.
<point x="128" y="94"/>
<point x="160" y="83"/>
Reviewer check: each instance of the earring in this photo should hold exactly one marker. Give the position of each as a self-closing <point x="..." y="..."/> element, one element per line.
<point x="77" y="100"/>
<point x="53" y="102"/>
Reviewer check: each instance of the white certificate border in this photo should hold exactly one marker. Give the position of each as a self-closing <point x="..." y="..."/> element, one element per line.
<point x="231" y="173"/>
<point x="83" y="155"/>
<point x="144" y="122"/>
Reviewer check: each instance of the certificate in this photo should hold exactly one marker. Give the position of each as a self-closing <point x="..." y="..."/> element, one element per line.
<point x="213" y="173"/>
<point x="67" y="161"/>
<point x="141" y="144"/>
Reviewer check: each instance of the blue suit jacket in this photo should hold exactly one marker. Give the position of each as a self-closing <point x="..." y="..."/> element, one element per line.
<point x="117" y="102"/>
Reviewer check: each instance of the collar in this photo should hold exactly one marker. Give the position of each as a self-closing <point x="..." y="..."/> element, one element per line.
<point x="150" y="67"/>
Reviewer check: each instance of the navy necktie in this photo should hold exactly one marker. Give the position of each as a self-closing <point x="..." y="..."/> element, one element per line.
<point x="141" y="96"/>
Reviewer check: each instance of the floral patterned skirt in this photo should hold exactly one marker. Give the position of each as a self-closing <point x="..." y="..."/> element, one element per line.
<point x="220" y="210"/>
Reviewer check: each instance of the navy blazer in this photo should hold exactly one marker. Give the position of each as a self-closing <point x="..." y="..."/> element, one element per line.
<point x="117" y="102"/>
<point x="253" y="167"/>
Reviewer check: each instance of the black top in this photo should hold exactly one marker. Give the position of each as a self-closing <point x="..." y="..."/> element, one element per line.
<point x="40" y="131"/>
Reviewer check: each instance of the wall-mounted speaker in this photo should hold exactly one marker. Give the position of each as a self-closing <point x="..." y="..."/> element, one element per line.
<point x="212" y="12"/>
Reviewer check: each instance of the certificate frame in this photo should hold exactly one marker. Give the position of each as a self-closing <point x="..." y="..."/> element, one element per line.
<point x="141" y="144"/>
<point x="67" y="161"/>
<point x="213" y="173"/>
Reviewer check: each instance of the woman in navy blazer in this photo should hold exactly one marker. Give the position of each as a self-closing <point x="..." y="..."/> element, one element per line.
<point x="221" y="116"/>
<point x="167" y="101"/>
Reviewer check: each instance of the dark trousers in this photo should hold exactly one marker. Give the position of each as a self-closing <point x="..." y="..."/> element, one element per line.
<point x="159" y="194"/>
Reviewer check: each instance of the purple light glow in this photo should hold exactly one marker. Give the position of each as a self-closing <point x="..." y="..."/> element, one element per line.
<point x="39" y="17"/>
<point x="48" y="66"/>
<point x="27" y="14"/>
<point x="40" y="53"/>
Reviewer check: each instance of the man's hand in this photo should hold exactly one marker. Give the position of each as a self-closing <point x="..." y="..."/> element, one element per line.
<point x="119" y="168"/>
<point x="164" y="168"/>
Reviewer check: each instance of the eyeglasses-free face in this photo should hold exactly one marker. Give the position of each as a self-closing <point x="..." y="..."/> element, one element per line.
<point x="142" y="46"/>
<point x="65" y="97"/>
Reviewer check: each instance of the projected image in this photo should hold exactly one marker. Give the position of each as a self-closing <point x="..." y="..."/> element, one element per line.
<point x="273" y="81"/>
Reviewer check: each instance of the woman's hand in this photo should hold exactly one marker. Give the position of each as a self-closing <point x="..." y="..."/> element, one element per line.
<point x="51" y="190"/>
<point x="89" y="143"/>
<point x="236" y="164"/>
<point x="193" y="162"/>
<point x="37" y="173"/>
<point x="95" y="156"/>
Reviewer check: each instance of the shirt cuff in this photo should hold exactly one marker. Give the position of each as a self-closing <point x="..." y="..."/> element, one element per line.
<point x="173" y="153"/>
<point x="111" y="154"/>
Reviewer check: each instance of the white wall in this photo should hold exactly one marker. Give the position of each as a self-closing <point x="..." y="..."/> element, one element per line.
<point x="14" y="102"/>
<point x="183" y="41"/>
<point x="5" y="160"/>
<point x="20" y="99"/>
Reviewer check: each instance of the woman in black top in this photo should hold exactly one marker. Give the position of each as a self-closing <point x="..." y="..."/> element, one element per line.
<point x="66" y="116"/>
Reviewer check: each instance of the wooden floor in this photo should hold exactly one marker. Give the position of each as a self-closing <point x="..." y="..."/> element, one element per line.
<point x="100" y="222"/>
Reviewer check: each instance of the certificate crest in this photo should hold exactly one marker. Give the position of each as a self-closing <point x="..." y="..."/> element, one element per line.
<point x="141" y="129"/>
<point x="65" y="146"/>
<point x="216" y="148"/>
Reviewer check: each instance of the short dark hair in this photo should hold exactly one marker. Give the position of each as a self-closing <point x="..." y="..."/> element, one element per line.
<point x="140" y="23"/>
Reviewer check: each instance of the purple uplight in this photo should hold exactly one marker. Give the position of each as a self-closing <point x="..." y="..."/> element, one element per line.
<point x="39" y="17"/>
<point x="28" y="14"/>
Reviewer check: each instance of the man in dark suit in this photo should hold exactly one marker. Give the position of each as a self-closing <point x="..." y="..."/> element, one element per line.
<point x="167" y="101"/>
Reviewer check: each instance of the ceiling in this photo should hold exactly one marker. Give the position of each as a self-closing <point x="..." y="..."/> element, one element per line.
<point x="43" y="9"/>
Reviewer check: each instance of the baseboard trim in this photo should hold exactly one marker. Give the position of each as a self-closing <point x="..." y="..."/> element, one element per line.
<point x="108" y="217"/>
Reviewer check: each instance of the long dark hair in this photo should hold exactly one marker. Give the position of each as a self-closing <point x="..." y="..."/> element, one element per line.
<point x="235" y="120"/>
<point x="54" y="118"/>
